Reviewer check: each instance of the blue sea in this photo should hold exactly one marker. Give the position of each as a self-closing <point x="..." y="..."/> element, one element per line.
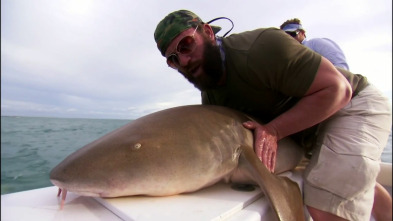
<point x="32" y="146"/>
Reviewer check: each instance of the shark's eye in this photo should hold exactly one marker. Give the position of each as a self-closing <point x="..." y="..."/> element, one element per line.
<point x="137" y="146"/>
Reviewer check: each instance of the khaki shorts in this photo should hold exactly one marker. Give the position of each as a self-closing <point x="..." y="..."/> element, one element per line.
<point x="342" y="172"/>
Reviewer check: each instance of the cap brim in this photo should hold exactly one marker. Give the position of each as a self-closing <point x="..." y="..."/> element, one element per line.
<point x="290" y="29"/>
<point x="215" y="28"/>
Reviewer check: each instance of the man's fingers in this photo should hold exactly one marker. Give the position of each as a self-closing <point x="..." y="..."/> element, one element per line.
<point x="273" y="161"/>
<point x="269" y="160"/>
<point x="259" y="152"/>
<point x="249" y="125"/>
<point x="266" y="157"/>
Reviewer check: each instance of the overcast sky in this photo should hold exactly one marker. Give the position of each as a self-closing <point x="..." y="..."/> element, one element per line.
<point x="98" y="58"/>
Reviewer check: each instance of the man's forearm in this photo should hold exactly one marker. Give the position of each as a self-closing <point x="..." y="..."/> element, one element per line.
<point x="329" y="93"/>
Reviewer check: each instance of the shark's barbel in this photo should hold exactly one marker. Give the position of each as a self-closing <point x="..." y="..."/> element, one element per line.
<point x="179" y="150"/>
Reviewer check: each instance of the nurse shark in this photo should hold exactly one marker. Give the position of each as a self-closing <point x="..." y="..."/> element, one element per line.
<point x="180" y="150"/>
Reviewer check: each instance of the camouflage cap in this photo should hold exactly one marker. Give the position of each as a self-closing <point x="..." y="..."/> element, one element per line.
<point x="173" y="24"/>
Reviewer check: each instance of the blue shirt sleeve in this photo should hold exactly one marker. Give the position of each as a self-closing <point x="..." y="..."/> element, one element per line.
<point x="328" y="49"/>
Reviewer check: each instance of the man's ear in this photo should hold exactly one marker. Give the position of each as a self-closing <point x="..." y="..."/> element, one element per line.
<point x="209" y="32"/>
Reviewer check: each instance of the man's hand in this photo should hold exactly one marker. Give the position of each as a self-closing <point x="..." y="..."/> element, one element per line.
<point x="265" y="144"/>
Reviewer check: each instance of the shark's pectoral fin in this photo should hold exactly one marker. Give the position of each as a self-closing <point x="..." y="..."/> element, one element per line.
<point x="283" y="194"/>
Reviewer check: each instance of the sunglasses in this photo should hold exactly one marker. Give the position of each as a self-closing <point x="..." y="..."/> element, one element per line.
<point x="185" y="46"/>
<point x="293" y="33"/>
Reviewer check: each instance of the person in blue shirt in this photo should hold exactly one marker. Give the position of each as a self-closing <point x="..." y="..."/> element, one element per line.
<point x="323" y="46"/>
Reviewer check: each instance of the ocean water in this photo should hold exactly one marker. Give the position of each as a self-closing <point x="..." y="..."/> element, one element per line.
<point x="32" y="146"/>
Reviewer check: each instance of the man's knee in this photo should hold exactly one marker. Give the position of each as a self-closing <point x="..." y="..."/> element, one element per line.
<point x="382" y="208"/>
<point x="319" y="215"/>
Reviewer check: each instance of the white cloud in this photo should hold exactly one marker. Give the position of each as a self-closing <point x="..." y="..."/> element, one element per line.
<point x="98" y="59"/>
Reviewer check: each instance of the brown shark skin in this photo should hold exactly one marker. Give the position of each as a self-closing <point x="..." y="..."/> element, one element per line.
<point x="179" y="150"/>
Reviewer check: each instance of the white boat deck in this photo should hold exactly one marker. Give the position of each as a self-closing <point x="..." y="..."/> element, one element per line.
<point x="218" y="202"/>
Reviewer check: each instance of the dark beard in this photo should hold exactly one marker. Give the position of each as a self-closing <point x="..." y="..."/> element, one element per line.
<point x="212" y="67"/>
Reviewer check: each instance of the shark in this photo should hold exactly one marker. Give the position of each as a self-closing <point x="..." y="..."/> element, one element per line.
<point x="180" y="150"/>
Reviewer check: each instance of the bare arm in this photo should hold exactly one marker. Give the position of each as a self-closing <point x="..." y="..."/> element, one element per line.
<point x="329" y="92"/>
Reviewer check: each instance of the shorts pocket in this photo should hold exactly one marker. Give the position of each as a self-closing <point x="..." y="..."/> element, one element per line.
<point x="342" y="174"/>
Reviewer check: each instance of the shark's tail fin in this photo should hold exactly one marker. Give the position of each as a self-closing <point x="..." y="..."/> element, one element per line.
<point x="283" y="194"/>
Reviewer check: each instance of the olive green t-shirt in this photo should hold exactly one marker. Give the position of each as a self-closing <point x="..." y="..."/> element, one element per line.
<point x="267" y="73"/>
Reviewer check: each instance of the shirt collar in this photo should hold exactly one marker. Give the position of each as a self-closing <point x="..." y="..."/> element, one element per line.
<point x="219" y="44"/>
